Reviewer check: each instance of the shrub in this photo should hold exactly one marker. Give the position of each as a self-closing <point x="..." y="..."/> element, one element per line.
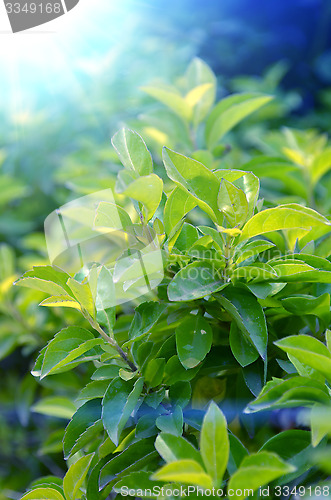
<point x="204" y="337"/>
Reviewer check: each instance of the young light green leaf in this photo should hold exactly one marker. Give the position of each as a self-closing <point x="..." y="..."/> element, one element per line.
<point x="173" y="448"/>
<point x="195" y="179"/>
<point x="118" y="403"/>
<point x="48" y="279"/>
<point x="185" y="471"/>
<point x="110" y="216"/>
<point x="83" y="294"/>
<point x="199" y="73"/>
<point x="293" y="392"/>
<point x="68" y="345"/>
<point x="75" y="476"/>
<point x="194" y="281"/>
<point x="132" y="152"/>
<point x="61" y="301"/>
<point x="55" y="406"/>
<point x="320" y="422"/>
<point x="172" y="99"/>
<point x="229" y="112"/>
<point x="178" y="204"/>
<point x="214" y="443"/>
<point x="251" y="249"/>
<point x="194" y="338"/>
<point x="43" y="494"/>
<point x="148" y="190"/>
<point x="257" y="470"/>
<point x="232" y="202"/>
<point x="289" y="216"/>
<point x="320" y="165"/>
<point x="309" y="351"/>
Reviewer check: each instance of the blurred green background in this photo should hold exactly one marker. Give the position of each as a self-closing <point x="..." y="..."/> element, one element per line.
<point x="64" y="94"/>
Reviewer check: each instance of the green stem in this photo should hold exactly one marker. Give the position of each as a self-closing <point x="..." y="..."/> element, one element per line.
<point x="112" y="342"/>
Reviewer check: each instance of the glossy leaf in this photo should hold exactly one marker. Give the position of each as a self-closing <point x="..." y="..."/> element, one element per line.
<point x="148" y="191"/>
<point x="309" y="351"/>
<point x="282" y="217"/>
<point x="75" y="477"/>
<point x="194" y="282"/>
<point x="229" y="112"/>
<point x="257" y="470"/>
<point x="194" y="338"/>
<point x="133" y="152"/>
<point x="232" y="202"/>
<point x="195" y="179"/>
<point x="43" y="494"/>
<point x="173" y="448"/>
<point x="118" y="403"/>
<point x="214" y="443"/>
<point x="293" y="392"/>
<point x="248" y="315"/>
<point x="185" y="471"/>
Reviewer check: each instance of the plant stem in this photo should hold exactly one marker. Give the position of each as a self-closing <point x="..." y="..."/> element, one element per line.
<point x="113" y="342"/>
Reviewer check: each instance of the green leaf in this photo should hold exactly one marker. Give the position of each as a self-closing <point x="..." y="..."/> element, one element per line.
<point x="172" y="99"/>
<point x="251" y="249"/>
<point x="180" y="394"/>
<point x="194" y="338"/>
<point x="173" y="448"/>
<point x="320" y="165"/>
<point x="199" y="73"/>
<point x="134" y="458"/>
<point x="309" y="351"/>
<point x="248" y="314"/>
<point x="320" y="422"/>
<point x="243" y="350"/>
<point x="214" y="443"/>
<point x="66" y="349"/>
<point x="195" y="179"/>
<point x="148" y="190"/>
<point x="232" y="202"/>
<point x="246" y="182"/>
<point x="153" y="373"/>
<point x="75" y="476"/>
<point x="139" y="482"/>
<point x="185" y="471"/>
<point x="132" y="152"/>
<point x="61" y="301"/>
<point x="118" y="403"/>
<point x="289" y="216"/>
<point x="257" y="470"/>
<point x="111" y="216"/>
<point x="84" y="419"/>
<point x="178" y="204"/>
<point x="229" y="112"/>
<point x="293" y="392"/>
<point x="48" y="279"/>
<point x="187" y="237"/>
<point x="175" y="372"/>
<point x="43" y="494"/>
<point x="145" y="317"/>
<point x="194" y="282"/>
<point x="82" y="293"/>
<point x="305" y="304"/>
<point x="172" y="423"/>
<point x="55" y="406"/>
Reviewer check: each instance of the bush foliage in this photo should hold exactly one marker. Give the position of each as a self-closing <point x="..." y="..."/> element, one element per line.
<point x="195" y="351"/>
